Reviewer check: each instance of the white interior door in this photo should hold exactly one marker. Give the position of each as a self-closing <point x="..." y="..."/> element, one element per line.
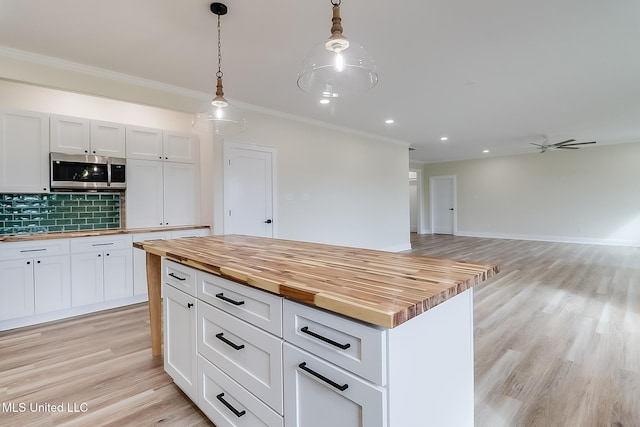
<point x="248" y="190"/>
<point x="443" y="215"/>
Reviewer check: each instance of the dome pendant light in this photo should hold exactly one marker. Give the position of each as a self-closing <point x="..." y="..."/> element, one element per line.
<point x="223" y="119"/>
<point x="337" y="67"/>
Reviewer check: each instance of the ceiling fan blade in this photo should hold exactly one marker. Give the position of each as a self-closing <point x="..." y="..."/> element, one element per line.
<point x="567" y="147"/>
<point x="579" y="143"/>
<point x="537" y="145"/>
<point x="557" y="144"/>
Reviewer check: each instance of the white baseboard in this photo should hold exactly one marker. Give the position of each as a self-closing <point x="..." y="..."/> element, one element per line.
<point x="70" y="312"/>
<point x="558" y="239"/>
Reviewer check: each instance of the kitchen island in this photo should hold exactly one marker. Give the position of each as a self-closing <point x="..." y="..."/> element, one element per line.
<point x="384" y="338"/>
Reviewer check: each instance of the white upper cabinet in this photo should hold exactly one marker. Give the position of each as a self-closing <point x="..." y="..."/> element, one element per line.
<point x="179" y="147"/>
<point x="69" y="135"/>
<point x="154" y="144"/>
<point x="107" y="139"/>
<point x="144" y="143"/>
<point x="24" y="148"/>
<point x="76" y="135"/>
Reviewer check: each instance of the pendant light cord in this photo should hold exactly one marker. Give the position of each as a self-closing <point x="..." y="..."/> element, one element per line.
<point x="219" y="73"/>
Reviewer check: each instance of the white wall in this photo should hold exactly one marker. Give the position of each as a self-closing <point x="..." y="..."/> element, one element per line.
<point x="588" y="195"/>
<point x="333" y="186"/>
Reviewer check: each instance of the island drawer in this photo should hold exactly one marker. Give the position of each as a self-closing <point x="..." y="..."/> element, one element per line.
<point x="260" y="308"/>
<point x="226" y="403"/>
<point x="249" y="355"/>
<point x="179" y="276"/>
<point x="352" y="345"/>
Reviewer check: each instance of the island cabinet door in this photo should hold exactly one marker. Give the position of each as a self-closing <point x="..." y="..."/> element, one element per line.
<point x="319" y="394"/>
<point x="180" y="339"/>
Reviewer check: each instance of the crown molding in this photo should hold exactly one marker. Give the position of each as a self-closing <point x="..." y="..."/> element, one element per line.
<point x="197" y="96"/>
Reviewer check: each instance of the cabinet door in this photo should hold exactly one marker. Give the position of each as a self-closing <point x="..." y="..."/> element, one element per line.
<point x="69" y="135"/>
<point x="52" y="280"/>
<point x="107" y="139"/>
<point x="87" y="283"/>
<point x="180" y="194"/>
<point x="144" y="194"/>
<point x="118" y="274"/>
<point x="143" y="143"/>
<point x="16" y="288"/>
<point x="179" y="147"/>
<point x="180" y="339"/>
<point x="318" y="394"/>
<point x="24" y="144"/>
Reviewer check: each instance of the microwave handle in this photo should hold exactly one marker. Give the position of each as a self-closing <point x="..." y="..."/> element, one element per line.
<point x="108" y="171"/>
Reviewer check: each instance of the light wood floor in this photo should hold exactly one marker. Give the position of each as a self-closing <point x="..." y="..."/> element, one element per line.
<point x="557" y="343"/>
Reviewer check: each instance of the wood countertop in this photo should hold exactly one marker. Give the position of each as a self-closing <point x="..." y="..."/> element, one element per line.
<point x="90" y="233"/>
<point x="383" y="288"/>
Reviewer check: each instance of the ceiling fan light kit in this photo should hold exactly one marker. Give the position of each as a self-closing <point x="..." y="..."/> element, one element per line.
<point x="223" y="119"/>
<point x="337" y="67"/>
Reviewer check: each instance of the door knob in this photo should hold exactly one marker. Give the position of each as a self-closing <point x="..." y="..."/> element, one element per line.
<point x="450" y="209"/>
<point x="268" y="221"/>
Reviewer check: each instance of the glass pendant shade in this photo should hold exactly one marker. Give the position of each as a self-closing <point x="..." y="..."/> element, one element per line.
<point x="221" y="121"/>
<point x="338" y="66"/>
<point x="331" y="74"/>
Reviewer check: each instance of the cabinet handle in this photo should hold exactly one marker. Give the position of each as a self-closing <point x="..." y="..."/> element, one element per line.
<point x="223" y="298"/>
<point x="325" y="339"/>
<point x="226" y="341"/>
<point x="177" y="277"/>
<point x="28" y="262"/>
<point x="342" y="387"/>
<point x="38" y="261"/>
<point x="33" y="250"/>
<point x="102" y="244"/>
<point x="228" y="405"/>
<point x="189" y="305"/>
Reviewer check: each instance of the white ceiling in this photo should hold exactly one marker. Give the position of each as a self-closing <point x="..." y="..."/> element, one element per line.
<point x="493" y="74"/>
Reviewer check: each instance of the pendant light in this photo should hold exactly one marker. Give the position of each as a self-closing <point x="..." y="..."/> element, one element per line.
<point x="337" y="67"/>
<point x="223" y="119"/>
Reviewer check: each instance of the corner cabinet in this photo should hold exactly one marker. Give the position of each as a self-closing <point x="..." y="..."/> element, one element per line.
<point x="263" y="360"/>
<point x="24" y="148"/>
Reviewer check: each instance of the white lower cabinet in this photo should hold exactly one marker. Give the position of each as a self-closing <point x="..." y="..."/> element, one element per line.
<point x="319" y="394"/>
<point x="180" y="339"/>
<point x="101" y="269"/>
<point x="34" y="279"/>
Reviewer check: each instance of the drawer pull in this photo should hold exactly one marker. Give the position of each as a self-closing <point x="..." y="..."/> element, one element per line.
<point x="102" y="244"/>
<point x="325" y="339"/>
<point x="32" y="250"/>
<point x="177" y="277"/>
<point x="226" y="341"/>
<point x="227" y="299"/>
<point x="342" y="387"/>
<point x="228" y="405"/>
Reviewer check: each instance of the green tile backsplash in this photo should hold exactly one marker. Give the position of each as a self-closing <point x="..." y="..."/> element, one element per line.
<point x="41" y="213"/>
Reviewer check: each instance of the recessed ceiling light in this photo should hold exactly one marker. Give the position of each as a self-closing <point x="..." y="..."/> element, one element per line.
<point x="389" y="121"/>
<point x="485" y="151"/>
<point x="444" y="138"/>
<point x="324" y="101"/>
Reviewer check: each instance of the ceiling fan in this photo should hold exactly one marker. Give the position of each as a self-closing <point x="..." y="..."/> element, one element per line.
<point x="569" y="144"/>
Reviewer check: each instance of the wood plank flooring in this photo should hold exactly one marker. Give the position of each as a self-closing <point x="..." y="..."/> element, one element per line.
<point x="557" y="344"/>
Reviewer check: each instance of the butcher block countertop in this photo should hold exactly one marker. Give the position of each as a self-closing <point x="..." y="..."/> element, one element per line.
<point x="383" y="288"/>
<point x="90" y="233"/>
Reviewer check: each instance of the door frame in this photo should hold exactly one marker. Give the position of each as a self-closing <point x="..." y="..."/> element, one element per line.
<point x="419" y="198"/>
<point x="263" y="149"/>
<point x="432" y="180"/>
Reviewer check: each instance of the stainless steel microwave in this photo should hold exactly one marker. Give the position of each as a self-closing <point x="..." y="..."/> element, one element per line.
<point x="89" y="173"/>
